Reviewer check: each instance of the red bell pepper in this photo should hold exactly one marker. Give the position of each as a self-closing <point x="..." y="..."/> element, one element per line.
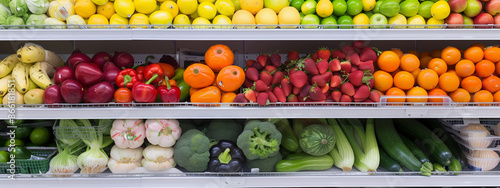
<point x="145" y="92"/>
<point x="140" y="72"/>
<point x="169" y="93"/>
<point x="151" y="70"/>
<point x="127" y="78"/>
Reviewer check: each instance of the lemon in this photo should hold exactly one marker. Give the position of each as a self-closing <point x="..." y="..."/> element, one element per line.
<point x="145" y="6"/>
<point x="170" y="7"/>
<point x="434" y="21"/>
<point x="201" y="21"/>
<point x="160" y="17"/>
<point x="210" y="1"/>
<point x="368" y="5"/>
<point x="225" y="7"/>
<point x="118" y="20"/>
<point x="124" y="8"/>
<point x="187" y="6"/>
<point x="194" y="15"/>
<point x="139" y="19"/>
<point x="182" y="19"/>
<point x="361" y="19"/>
<point x="207" y="10"/>
<point x="398" y="20"/>
<point x="85" y="8"/>
<point x="266" y="16"/>
<point x="416" y="20"/>
<point x="222" y="20"/>
<point x="97" y="19"/>
<point x="440" y="10"/>
<point x="106" y="10"/>
<point x="324" y="8"/>
<point x="243" y="17"/>
<point x="98" y="2"/>
<point x="289" y="16"/>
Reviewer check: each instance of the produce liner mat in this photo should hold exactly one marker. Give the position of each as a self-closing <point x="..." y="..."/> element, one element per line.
<point x="26" y="166"/>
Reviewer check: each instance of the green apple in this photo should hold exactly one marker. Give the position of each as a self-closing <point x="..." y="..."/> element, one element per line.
<point x="468" y="21"/>
<point x="409" y="8"/>
<point x="424" y="9"/>
<point x="378" y="21"/>
<point x="310" y="19"/>
<point x="276" y="5"/>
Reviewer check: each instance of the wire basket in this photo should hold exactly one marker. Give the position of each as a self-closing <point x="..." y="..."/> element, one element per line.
<point x="28" y="166"/>
<point x="71" y="133"/>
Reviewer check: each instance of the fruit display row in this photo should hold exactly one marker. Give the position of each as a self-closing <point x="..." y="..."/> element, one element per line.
<point x="274" y="13"/>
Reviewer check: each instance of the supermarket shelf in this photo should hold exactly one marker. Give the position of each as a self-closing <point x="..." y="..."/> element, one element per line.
<point x="245" y="34"/>
<point x="184" y="111"/>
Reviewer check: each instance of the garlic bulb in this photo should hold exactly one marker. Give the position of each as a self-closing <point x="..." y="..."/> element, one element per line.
<point x="126" y="155"/>
<point x="497" y="130"/>
<point x="128" y="133"/>
<point x="122" y="167"/>
<point x="484" y="160"/>
<point x="158" y="158"/>
<point x="163" y="132"/>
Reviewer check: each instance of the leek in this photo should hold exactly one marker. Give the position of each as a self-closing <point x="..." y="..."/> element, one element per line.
<point x="363" y="142"/>
<point x="342" y="154"/>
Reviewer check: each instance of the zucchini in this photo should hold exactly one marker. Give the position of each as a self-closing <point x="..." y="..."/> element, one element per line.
<point x="387" y="163"/>
<point x="413" y="147"/>
<point x="289" y="141"/>
<point x="391" y="142"/>
<point x="324" y="162"/>
<point x="435" y="146"/>
<point x="437" y="128"/>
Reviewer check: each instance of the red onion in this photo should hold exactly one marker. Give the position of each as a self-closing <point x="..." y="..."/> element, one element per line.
<point x="88" y="73"/>
<point x="110" y="71"/>
<point x="52" y="94"/>
<point x="76" y="58"/>
<point x="72" y="91"/>
<point x="102" y="92"/>
<point x="62" y="74"/>
<point x="123" y="59"/>
<point x="100" y="58"/>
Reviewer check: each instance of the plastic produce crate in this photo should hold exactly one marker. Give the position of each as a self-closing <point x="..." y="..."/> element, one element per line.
<point x="26" y="166"/>
<point x="71" y="133"/>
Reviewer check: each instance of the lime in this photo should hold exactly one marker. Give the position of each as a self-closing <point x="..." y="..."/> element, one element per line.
<point x="369" y="14"/>
<point x="424" y="9"/>
<point x="187" y="6"/>
<point x="309" y="7"/>
<point x="20" y="152"/>
<point x="409" y="8"/>
<point x="301" y="16"/>
<point x="398" y="20"/>
<point x="221" y="20"/>
<point x="345" y="20"/>
<point x="17" y="142"/>
<point x="416" y="20"/>
<point x="377" y="7"/>
<point x="324" y="8"/>
<point x="440" y="10"/>
<point x="361" y="19"/>
<point x="389" y="8"/>
<point x="4" y="156"/>
<point x="40" y="136"/>
<point x="297" y="4"/>
<point x="225" y="7"/>
<point x="201" y="21"/>
<point x="22" y="132"/>
<point x="354" y="7"/>
<point x="330" y="20"/>
<point x="207" y="10"/>
<point x="170" y="7"/>
<point x="310" y="19"/>
<point x="339" y="7"/>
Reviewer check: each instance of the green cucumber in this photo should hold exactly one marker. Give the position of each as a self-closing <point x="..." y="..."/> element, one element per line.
<point x="437" y="128"/>
<point x="324" y="162"/>
<point x="387" y="163"/>
<point x="419" y="154"/>
<point x="391" y="142"/>
<point x="438" y="151"/>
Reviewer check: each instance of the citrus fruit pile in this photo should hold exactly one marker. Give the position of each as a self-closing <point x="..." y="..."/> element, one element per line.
<point x="469" y="75"/>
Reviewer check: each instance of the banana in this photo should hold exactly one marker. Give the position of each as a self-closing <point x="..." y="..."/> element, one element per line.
<point x="4" y="85"/>
<point x="41" y="73"/>
<point x="53" y="59"/>
<point x="8" y="64"/>
<point x="20" y="73"/>
<point x="31" y="53"/>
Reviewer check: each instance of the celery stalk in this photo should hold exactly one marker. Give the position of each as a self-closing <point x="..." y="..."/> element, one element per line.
<point x="364" y="144"/>
<point x="342" y="154"/>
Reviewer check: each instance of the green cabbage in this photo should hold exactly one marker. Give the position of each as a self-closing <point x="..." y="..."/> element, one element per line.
<point x="36" y="19"/>
<point x="38" y="6"/>
<point x="15" y="20"/>
<point x="53" y="21"/>
<point x="18" y="7"/>
<point x="4" y="14"/>
<point x="5" y="3"/>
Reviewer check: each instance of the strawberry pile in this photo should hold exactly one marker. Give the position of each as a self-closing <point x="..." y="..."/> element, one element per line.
<point x="343" y="75"/>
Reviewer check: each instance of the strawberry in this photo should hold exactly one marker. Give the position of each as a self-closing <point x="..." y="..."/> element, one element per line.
<point x="310" y="67"/>
<point x="368" y="100"/>
<point x="305" y="91"/>
<point x="248" y="83"/>
<point x="293" y="55"/>
<point x="353" y="58"/>
<point x="369" y="53"/>
<point x="359" y="44"/>
<point x="260" y="86"/>
<point x="298" y="78"/>
<point x="287" y="86"/>
<point x="345" y="66"/>
<point x="316" y="94"/>
<point x="334" y="65"/>
<point x="356" y="78"/>
<point x="362" y="93"/>
<point x="337" y="54"/>
<point x="250" y="62"/>
<point x="277" y="77"/>
<point x="292" y="98"/>
<point x="322" y="66"/>
<point x="336" y="96"/>
<point x="321" y="80"/>
<point x="280" y="94"/>
<point x="347" y="89"/>
<point x="325" y="89"/>
<point x="272" y="97"/>
<point x="296" y="90"/>
<point x="275" y="59"/>
<point x="240" y="98"/>
<point x="354" y="68"/>
<point x="367" y="66"/>
<point x="252" y="73"/>
<point x="262" y="59"/>
<point x="375" y="96"/>
<point x="266" y="77"/>
<point x="371" y="83"/>
<point x="270" y="68"/>
<point x="335" y="81"/>
<point x="323" y="54"/>
<point x="258" y="66"/>
<point x="263" y="99"/>
<point x="250" y="95"/>
<point x="345" y="98"/>
<point x="347" y="50"/>
<point x="314" y="56"/>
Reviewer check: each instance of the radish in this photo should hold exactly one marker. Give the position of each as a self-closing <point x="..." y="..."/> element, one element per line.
<point x="240" y="98"/>
<point x="262" y="59"/>
<point x="334" y="65"/>
<point x="298" y="78"/>
<point x="367" y="65"/>
<point x="336" y="96"/>
<point x="310" y="67"/>
<point x="287" y="86"/>
<point x="292" y="98"/>
<point x="337" y="54"/>
<point x="275" y="59"/>
<point x="375" y="96"/>
<point x="347" y="89"/>
<point x="368" y="53"/>
<point x="252" y="73"/>
<point x="353" y="58"/>
<point x="345" y="66"/>
<point x="362" y="93"/>
<point x="335" y="81"/>
<point x="263" y="99"/>
<point x="322" y="66"/>
<point x="260" y="86"/>
<point x="321" y="80"/>
<point x="266" y="77"/>
<point x="292" y="55"/>
<point x="280" y="94"/>
<point x="270" y="68"/>
<point x="272" y="97"/>
<point x="277" y="77"/>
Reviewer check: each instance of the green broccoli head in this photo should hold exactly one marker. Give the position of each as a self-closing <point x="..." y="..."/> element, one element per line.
<point x="259" y="140"/>
<point x="191" y="151"/>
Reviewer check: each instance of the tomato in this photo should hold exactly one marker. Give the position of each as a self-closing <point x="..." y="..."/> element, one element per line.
<point x="40" y="136"/>
<point x="123" y="95"/>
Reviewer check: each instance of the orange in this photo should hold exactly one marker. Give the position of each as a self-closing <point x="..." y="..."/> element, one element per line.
<point x="496" y="97"/>
<point x="424" y="61"/>
<point x="478" y="45"/>
<point x="451" y="55"/>
<point x="388" y="61"/>
<point x="485" y="68"/>
<point x="228" y="97"/>
<point x="474" y="54"/>
<point x="412" y="52"/>
<point x="398" y="51"/>
<point x="415" y="74"/>
<point x="393" y="73"/>
<point x="428" y="79"/>
<point x="449" y="82"/>
<point x="425" y="53"/>
<point x="383" y="80"/>
<point x="404" y="80"/>
<point x="472" y="84"/>
<point x="482" y="96"/>
<point x="498" y="68"/>
<point x="438" y="93"/>
<point x="492" y="54"/>
<point x="436" y="53"/>
<point x="410" y="62"/>
<point x="438" y="65"/>
<point x="253" y="6"/>
<point x="455" y="73"/>
<point x="416" y="91"/>
<point x="465" y="68"/>
<point x="394" y="91"/>
<point x="460" y="95"/>
<point x="492" y="84"/>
